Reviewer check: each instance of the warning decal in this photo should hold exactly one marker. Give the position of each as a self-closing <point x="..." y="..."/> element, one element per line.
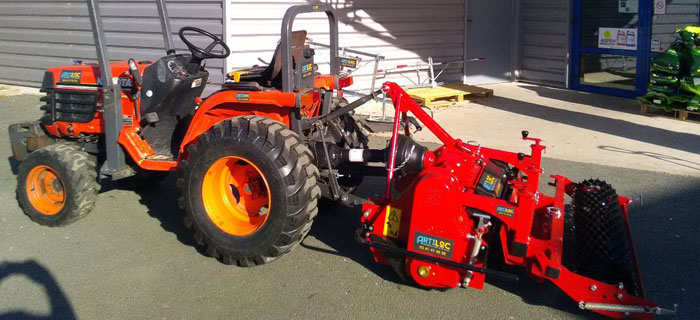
<point x="392" y="222"/>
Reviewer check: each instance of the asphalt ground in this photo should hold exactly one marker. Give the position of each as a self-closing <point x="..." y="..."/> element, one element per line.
<point x="132" y="258"/>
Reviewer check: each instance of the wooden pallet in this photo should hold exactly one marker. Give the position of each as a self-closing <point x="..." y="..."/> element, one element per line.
<point x="684" y="115"/>
<point x="448" y="94"/>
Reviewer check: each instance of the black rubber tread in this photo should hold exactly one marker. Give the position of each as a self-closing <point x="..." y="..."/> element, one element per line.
<point x="349" y="124"/>
<point x="78" y="173"/>
<point x="286" y="164"/>
<point x="602" y="250"/>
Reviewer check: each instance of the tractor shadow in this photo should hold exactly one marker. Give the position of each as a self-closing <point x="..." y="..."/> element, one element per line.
<point x="654" y="155"/>
<point x="160" y="201"/>
<point x="59" y="305"/>
<point x="13" y="164"/>
<point x="565" y="96"/>
<point x="530" y="291"/>
<point x="335" y="226"/>
<point x="683" y="141"/>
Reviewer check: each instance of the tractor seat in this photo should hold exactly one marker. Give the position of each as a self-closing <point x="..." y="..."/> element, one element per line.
<point x="270" y="75"/>
<point x="242" y="86"/>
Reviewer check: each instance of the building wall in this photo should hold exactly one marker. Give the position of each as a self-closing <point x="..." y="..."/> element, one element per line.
<point x="490" y="36"/>
<point x="679" y="13"/>
<point x="35" y="34"/>
<point x="544" y="41"/>
<point x="405" y="31"/>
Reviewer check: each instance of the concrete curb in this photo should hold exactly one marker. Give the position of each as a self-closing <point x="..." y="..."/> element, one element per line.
<point x="7" y="90"/>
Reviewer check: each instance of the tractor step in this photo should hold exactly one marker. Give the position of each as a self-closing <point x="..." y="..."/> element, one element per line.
<point x="160" y="157"/>
<point x="448" y="94"/>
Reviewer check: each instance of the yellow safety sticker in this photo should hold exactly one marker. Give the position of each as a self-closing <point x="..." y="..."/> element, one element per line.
<point x="392" y="222"/>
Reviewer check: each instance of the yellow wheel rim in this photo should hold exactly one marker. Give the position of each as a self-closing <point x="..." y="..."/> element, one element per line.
<point x="45" y="190"/>
<point x="236" y="196"/>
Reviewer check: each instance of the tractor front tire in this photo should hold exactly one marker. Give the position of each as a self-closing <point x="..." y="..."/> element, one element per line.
<point x="57" y="185"/>
<point x="249" y="190"/>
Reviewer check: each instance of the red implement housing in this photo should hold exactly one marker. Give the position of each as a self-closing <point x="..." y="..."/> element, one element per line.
<point x="442" y="219"/>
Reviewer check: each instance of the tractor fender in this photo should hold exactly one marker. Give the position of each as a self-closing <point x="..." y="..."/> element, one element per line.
<point x="223" y="105"/>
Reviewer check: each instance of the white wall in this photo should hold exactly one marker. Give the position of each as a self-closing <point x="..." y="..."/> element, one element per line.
<point x="405" y="31"/>
<point x="679" y="13"/>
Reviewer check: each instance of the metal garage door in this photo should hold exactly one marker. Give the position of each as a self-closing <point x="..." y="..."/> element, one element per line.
<point x="544" y="41"/>
<point x="489" y="36"/>
<point x="37" y="34"/>
<point x="405" y="31"/>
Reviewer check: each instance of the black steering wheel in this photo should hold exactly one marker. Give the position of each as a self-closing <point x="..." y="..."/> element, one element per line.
<point x="206" y="53"/>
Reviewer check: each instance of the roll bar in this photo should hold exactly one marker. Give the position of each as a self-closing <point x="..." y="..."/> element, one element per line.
<point x="165" y="25"/>
<point x="287" y="21"/>
<point x="115" y="165"/>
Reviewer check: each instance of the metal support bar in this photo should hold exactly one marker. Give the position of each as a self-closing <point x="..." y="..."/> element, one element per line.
<point x="430" y="67"/>
<point x="482" y="228"/>
<point x="285" y="45"/>
<point x="111" y="99"/>
<point x="335" y="188"/>
<point x="625" y="308"/>
<point x="374" y="74"/>
<point x="375" y="57"/>
<point x="165" y="25"/>
<point x="347" y="199"/>
<point x="433" y="83"/>
<point x="307" y="123"/>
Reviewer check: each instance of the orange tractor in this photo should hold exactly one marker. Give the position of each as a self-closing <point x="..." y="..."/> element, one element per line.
<point x="248" y="155"/>
<point x="254" y="158"/>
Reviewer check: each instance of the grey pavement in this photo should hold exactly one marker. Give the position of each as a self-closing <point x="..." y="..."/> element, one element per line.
<point x="132" y="258"/>
<point x="576" y="126"/>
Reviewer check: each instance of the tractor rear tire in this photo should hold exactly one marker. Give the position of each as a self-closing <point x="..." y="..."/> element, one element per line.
<point x="273" y="194"/>
<point x="602" y="249"/>
<point x="57" y="185"/>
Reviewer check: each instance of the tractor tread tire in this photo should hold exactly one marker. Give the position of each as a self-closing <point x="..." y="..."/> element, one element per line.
<point x="602" y="250"/>
<point x="293" y="165"/>
<point x="78" y="173"/>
